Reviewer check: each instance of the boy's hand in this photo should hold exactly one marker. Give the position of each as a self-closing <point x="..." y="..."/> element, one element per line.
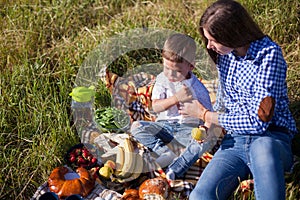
<point x="184" y="94"/>
<point x="191" y="108"/>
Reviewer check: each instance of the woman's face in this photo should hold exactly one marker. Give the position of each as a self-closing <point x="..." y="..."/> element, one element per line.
<point x="215" y="46"/>
<point x="175" y="71"/>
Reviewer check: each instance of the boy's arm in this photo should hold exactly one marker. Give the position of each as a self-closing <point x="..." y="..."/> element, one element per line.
<point x="159" y="105"/>
<point x="182" y="95"/>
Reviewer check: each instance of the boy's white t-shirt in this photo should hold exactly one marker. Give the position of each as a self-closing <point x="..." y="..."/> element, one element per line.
<point x="163" y="89"/>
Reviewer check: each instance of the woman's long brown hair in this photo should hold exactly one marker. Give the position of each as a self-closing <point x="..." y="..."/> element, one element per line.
<point x="230" y="24"/>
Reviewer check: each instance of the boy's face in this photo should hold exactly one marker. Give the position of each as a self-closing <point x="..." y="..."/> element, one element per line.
<point x="175" y="71"/>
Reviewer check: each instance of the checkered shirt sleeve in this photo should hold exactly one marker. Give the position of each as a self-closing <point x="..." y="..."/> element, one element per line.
<point x="245" y="81"/>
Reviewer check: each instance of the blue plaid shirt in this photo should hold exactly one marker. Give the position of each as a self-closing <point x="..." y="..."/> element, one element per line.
<point x="246" y="81"/>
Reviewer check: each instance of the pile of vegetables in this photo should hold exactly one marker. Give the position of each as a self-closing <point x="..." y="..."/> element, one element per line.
<point x="111" y="119"/>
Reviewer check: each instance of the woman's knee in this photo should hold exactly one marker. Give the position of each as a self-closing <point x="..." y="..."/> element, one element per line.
<point x="263" y="148"/>
<point x="268" y="151"/>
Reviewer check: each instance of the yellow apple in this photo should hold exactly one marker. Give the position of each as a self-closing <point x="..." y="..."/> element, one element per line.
<point x="106" y="172"/>
<point x="198" y="133"/>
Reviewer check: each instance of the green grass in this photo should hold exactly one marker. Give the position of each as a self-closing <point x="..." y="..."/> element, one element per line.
<point x="44" y="43"/>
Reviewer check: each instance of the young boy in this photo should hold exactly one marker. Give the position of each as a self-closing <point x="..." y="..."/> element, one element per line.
<point x="173" y="87"/>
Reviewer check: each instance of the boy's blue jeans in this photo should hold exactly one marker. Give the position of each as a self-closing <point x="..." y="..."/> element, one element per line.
<point x="156" y="135"/>
<point x="190" y="155"/>
<point x="265" y="157"/>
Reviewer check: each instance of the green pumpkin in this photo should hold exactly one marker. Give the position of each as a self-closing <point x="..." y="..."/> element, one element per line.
<point x="83" y="94"/>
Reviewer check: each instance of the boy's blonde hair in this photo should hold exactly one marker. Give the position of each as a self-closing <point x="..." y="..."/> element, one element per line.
<point x="179" y="47"/>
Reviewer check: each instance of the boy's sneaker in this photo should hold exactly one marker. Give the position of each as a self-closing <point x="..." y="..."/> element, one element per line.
<point x="170" y="175"/>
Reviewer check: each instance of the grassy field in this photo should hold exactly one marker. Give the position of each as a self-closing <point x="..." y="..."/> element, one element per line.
<point x="42" y="46"/>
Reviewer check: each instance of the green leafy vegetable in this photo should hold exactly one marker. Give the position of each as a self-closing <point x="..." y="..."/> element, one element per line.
<point x="111" y="119"/>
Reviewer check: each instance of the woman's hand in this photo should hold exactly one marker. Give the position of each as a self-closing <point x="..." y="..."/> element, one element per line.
<point x="195" y="109"/>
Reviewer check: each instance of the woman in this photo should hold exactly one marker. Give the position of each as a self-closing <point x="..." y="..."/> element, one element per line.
<point x="254" y="103"/>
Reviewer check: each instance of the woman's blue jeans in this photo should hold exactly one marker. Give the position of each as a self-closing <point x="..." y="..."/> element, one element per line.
<point x="264" y="157"/>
